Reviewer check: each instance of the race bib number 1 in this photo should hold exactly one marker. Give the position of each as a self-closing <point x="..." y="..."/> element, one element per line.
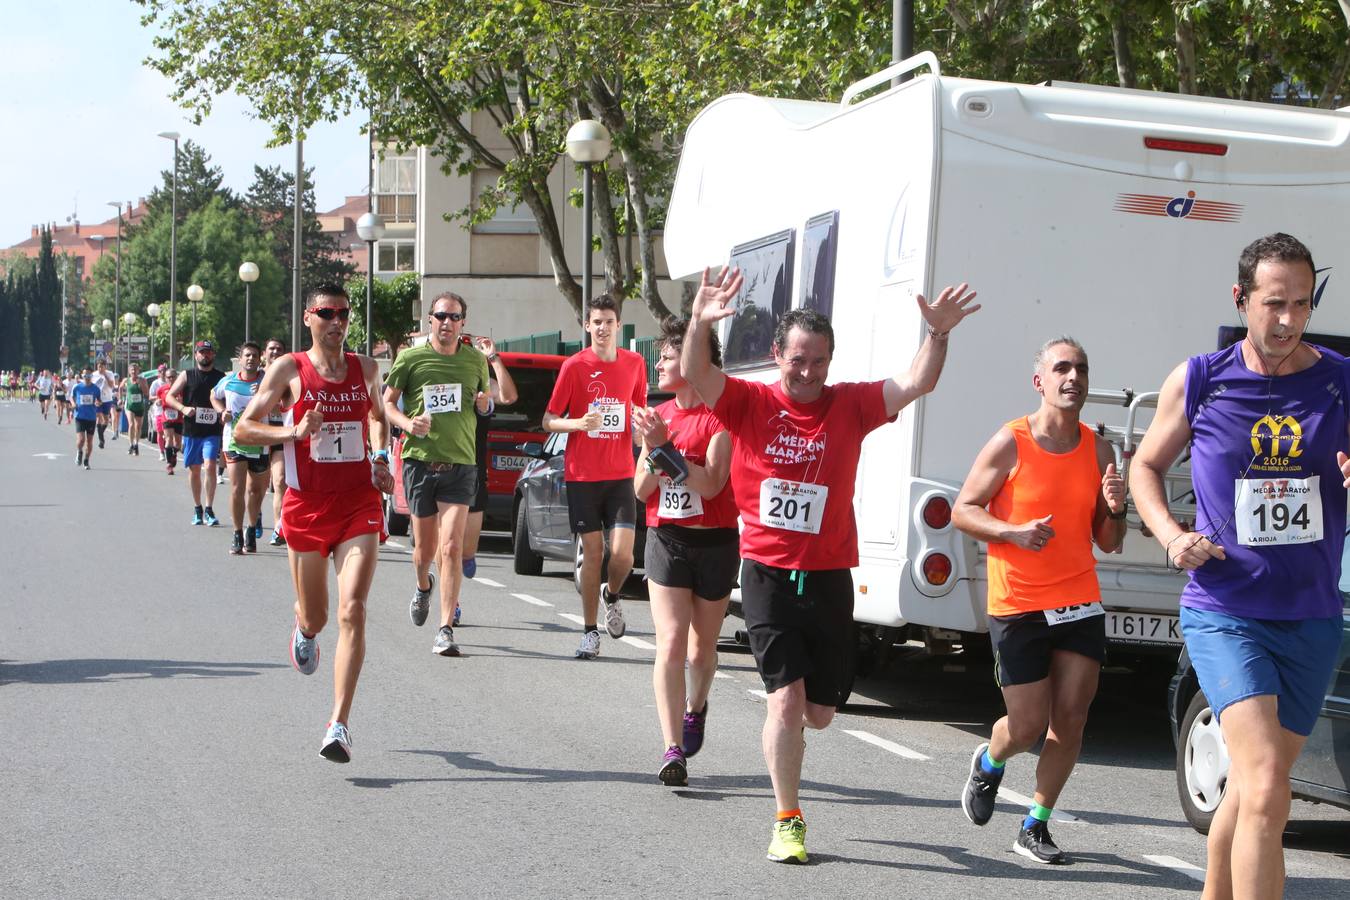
<point x="441" y="398"/>
<point x="1273" y="511"/>
<point x="1073" y="613"/>
<point x="678" y="502"/>
<point x="792" y="505"/>
<point x="337" y="442"/>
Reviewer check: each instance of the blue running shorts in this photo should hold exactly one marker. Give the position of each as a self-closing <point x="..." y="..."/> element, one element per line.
<point x="197" y="448"/>
<point x="1236" y="658"/>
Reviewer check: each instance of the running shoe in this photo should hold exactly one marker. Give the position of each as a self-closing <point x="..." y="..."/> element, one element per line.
<point x="257" y="527"/>
<point x="79" y="458"/>
<point x="168" y="470"/>
<point x="86" y="464"/>
<point x="220" y="477"/>
<point x="691" y="737"/>
<point x="237" y="544"/>
<point x="277" y="539"/>
<point x="590" y="645"/>
<point x="470" y="566"/>
<point x="421" y="600"/>
<point x="210" y="518"/>
<point x="337" y="744"/>
<point x="1035" y="844"/>
<point x="459" y="610"/>
<point x="789" y="841"/>
<point x="304" y="652"/>
<point x="445" y="645"/>
<point x="614" y="623"/>
<point x="977" y="800"/>
<point x="196" y="513"/>
<point x="673" y="771"/>
<point x="250" y="541"/>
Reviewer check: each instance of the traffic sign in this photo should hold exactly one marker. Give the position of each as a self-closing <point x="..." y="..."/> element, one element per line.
<point x="107" y="346"/>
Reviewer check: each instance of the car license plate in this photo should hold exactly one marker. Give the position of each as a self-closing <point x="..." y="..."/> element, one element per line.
<point x="1142" y="628"/>
<point x="504" y="463"/>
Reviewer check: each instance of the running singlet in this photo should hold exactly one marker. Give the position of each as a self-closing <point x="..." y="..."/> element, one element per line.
<point x="584" y="383"/>
<point x="334" y="459"/>
<point x="135" y="399"/>
<point x="86" y="400"/>
<point x="205" y="422"/>
<point x="1267" y="487"/>
<point x="171" y="413"/>
<point x="236" y="392"/>
<point x="678" y="504"/>
<point x="1065" y="485"/>
<point x="106" y="383"/>
<point x="793" y="469"/>
<point x="44" y="384"/>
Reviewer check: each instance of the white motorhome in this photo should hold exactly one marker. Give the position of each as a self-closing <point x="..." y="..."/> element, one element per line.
<point x="1115" y="216"/>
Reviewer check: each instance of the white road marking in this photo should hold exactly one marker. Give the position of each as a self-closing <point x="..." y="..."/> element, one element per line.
<point x="489" y="582"/>
<point x="884" y="744"/>
<point x="533" y="601"/>
<point x="637" y="642"/>
<point x="760" y="695"/>
<point x="1178" y="865"/>
<point x="50" y="456"/>
<point x="722" y="675"/>
<point x="392" y="543"/>
<point x="572" y="617"/>
<point x="1057" y="815"/>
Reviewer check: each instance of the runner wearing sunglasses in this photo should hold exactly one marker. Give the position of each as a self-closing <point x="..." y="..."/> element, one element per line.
<point x="444" y="387"/>
<point x="333" y="506"/>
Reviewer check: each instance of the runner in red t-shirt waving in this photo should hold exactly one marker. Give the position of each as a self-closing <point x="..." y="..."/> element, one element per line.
<point x="794" y="461"/>
<point x="593" y="400"/>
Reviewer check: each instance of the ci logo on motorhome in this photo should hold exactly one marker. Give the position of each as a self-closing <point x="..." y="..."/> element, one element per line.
<point x="1186" y="207"/>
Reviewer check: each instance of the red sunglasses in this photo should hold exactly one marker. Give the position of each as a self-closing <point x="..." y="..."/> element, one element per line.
<point x="328" y="312"/>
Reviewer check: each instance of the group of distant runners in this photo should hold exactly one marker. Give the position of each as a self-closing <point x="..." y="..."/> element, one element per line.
<point x="1261" y="613"/>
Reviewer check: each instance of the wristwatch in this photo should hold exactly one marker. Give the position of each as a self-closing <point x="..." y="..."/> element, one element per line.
<point x="380" y="456"/>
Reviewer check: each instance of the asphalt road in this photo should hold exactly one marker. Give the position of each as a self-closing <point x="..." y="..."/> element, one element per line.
<point x="155" y="741"/>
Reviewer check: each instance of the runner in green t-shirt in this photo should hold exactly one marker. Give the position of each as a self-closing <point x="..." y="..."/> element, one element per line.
<point x="442" y="386"/>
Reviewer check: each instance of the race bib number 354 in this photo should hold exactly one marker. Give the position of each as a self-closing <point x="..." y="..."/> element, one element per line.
<point x="441" y="398"/>
<point x="1273" y="511"/>
<point x="337" y="442"/>
<point x="792" y="505"/>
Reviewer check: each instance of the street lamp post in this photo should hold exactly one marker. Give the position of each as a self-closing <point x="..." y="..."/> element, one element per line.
<point x="128" y="319"/>
<point x="194" y="295"/>
<point x="153" y="312"/>
<point x="107" y="330"/>
<point x="370" y="228"/>
<point x="248" y="273"/>
<point x="117" y="285"/>
<point x="173" y="251"/>
<point x="588" y="142"/>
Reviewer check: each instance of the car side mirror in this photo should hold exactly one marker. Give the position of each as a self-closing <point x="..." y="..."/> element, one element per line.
<point x="532" y="449"/>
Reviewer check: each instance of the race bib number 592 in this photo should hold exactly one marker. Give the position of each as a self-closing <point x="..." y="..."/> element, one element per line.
<point x="792" y="505"/>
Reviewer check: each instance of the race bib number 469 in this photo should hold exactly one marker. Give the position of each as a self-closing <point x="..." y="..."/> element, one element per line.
<point x="1272" y="511"/>
<point x="792" y="505"/>
<point x="338" y="442"/>
<point x="204" y="416"/>
<point x="441" y="398"/>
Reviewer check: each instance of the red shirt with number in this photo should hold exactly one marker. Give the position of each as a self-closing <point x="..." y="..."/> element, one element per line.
<point x="614" y="388"/>
<point x="793" y="469"/>
<point x="335" y="458"/>
<point x="691" y="430"/>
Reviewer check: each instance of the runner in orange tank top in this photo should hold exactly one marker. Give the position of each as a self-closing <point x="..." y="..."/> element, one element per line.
<point x="1040" y="493"/>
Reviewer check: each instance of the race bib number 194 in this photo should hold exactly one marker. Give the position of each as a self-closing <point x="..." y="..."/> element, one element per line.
<point x="1272" y="511"/>
<point x="792" y="505"/>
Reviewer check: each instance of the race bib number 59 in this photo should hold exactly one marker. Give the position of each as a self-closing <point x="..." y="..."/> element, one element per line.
<point x="792" y="505"/>
<point x="612" y="416"/>
<point x="337" y="442"/>
<point x="1272" y="511"/>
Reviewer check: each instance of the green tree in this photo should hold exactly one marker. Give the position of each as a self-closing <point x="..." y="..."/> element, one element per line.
<point x="392" y="314"/>
<point x="44" y="309"/>
<point x="199" y="183"/>
<point x="11" y="325"/>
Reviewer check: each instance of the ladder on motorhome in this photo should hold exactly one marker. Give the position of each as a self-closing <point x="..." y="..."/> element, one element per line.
<point x="1124" y="440"/>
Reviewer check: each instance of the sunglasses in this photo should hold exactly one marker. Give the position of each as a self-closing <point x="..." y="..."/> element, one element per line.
<point x="328" y="312"/>
<point x="442" y="316"/>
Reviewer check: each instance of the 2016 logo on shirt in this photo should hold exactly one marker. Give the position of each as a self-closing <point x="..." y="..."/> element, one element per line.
<point x="1275" y="451"/>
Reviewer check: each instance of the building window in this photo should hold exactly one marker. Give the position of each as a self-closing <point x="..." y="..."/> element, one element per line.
<point x="508" y="219"/>
<point x="396" y="189"/>
<point x="395" y="256"/>
<point x="766" y="294"/>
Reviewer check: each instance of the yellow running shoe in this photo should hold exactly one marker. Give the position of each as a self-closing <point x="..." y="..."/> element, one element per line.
<point x="789" y="841"/>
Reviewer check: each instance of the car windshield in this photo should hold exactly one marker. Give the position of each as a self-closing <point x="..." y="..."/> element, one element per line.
<point x="527" y="413"/>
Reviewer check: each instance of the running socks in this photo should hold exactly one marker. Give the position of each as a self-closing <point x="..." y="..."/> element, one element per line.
<point x="591" y="628"/>
<point x="785" y="814"/>
<point x="101" y="429"/>
<point x="990" y="765"/>
<point x="1037" y="813"/>
<point x="171" y="453"/>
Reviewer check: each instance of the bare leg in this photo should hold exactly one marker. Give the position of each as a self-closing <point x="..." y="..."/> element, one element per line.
<point x="672" y="611"/>
<point x="211" y="465"/>
<point x="704" y="629"/>
<point x="1073" y="684"/>
<point x="257" y="486"/>
<point x="592" y="554"/>
<point x="451" y="518"/>
<point x="195" y="483"/>
<point x="620" y="558"/>
<point x="238" y="475"/>
<point x="1028" y="716"/>
<point x="789" y="711"/>
<point x="473" y="530"/>
<point x="278" y="487"/>
<point x="355" y="560"/>
<point x="424" y="549"/>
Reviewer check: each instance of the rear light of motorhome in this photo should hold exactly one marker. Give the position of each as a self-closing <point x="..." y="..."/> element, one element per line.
<point x="937" y="513"/>
<point x="1209" y="149"/>
<point x="937" y="568"/>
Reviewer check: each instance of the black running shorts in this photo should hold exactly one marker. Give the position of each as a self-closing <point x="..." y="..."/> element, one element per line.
<point x="801" y="627"/>
<point x="601" y="505"/>
<point x="1024" y="643"/>
<point x="703" y="560"/>
<point x="426" y="485"/>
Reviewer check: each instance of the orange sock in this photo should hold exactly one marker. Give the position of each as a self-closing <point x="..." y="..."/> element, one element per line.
<point x="788" y="814"/>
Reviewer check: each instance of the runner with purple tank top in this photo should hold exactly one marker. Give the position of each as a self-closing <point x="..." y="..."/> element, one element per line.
<point x="1268" y="427"/>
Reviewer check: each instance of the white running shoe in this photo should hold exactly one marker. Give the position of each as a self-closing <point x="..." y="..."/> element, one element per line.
<point x="337" y="744"/>
<point x="614" y="622"/>
<point x="590" y="645"/>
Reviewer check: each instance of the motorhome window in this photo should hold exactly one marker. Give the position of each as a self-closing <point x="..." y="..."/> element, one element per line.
<point x="766" y="264"/>
<point x="533" y="387"/>
<point x="1231" y="334"/>
<point x="820" y="244"/>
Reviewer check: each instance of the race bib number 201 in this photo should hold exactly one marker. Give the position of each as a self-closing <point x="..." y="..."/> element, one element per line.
<point x="338" y="442"/>
<point x="1273" y="511"/>
<point x="792" y="505"/>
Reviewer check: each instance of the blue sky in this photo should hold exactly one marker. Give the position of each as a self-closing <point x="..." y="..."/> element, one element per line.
<point x="81" y="112"/>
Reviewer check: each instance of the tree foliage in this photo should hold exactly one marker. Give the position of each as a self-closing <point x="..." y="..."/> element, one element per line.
<point x="430" y="68"/>
<point x="392" y="313"/>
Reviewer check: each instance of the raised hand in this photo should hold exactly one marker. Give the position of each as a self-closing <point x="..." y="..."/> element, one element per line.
<point x="713" y="300"/>
<point x="309" y="424"/>
<point x="951" y="306"/>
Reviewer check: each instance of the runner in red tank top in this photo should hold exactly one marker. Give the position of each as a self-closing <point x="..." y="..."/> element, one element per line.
<point x="692" y="556"/>
<point x="333" y="505"/>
